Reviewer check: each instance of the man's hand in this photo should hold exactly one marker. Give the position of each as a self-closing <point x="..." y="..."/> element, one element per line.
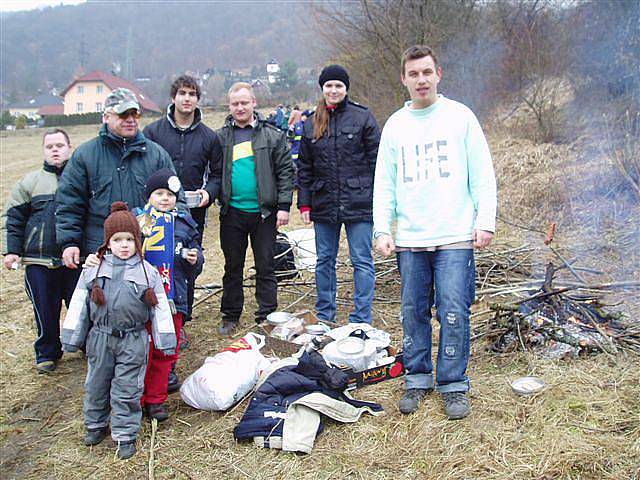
<point x="385" y="245"/>
<point x="71" y="257"/>
<point x="481" y="239"/>
<point x="282" y="218"/>
<point x="306" y="217"/>
<point x="205" y="197"/>
<point x="10" y="259"/>
<point x="92" y="260"/>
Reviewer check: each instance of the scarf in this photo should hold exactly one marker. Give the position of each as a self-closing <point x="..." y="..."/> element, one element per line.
<point x="159" y="243"/>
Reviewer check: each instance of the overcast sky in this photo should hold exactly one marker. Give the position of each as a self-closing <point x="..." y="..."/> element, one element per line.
<point x="15" y="5"/>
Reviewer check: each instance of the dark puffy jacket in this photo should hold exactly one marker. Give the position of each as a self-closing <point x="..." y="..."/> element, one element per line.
<point x="274" y="167"/>
<point x="196" y="152"/>
<point x="263" y="417"/>
<point x="100" y="172"/>
<point x="335" y="172"/>
<point x="30" y="222"/>
<point x="185" y="235"/>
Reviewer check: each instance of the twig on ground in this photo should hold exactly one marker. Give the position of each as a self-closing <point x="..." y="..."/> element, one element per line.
<point x="154" y="429"/>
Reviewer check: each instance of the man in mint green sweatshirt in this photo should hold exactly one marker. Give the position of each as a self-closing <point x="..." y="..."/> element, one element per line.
<point x="434" y="176"/>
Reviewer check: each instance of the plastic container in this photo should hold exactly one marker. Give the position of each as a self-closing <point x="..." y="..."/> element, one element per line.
<point x="193" y="199"/>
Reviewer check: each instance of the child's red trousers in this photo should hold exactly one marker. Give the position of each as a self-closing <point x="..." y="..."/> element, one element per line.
<point x="159" y="367"/>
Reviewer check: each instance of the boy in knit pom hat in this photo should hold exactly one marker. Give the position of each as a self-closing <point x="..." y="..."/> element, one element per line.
<point x="114" y="302"/>
<point x="171" y="245"/>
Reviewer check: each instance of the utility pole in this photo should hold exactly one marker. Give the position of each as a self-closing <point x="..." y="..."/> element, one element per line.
<point x="83" y="53"/>
<point x="128" y="62"/>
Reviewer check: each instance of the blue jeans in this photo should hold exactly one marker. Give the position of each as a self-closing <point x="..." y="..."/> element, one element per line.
<point x="449" y="275"/>
<point x="327" y="241"/>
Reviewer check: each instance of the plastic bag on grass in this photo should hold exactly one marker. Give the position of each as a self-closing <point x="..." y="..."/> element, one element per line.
<point x="226" y="377"/>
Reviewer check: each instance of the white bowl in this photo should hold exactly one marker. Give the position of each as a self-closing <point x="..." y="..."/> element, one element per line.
<point x="315" y="329"/>
<point x="350" y="345"/>
<point x="279" y="318"/>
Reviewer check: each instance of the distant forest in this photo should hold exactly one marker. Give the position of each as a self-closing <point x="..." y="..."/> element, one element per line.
<point x="45" y="48"/>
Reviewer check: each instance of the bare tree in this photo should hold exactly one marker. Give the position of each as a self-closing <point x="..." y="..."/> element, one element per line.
<point x="369" y="37"/>
<point x="536" y="59"/>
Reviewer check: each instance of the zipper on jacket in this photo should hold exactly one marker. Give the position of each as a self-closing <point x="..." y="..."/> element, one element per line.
<point x="334" y="114"/>
<point x="41" y="242"/>
<point x="34" y="230"/>
<point x="255" y="170"/>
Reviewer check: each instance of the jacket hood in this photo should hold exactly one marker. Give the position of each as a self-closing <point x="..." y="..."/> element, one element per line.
<point x="53" y="169"/>
<point x="197" y="119"/>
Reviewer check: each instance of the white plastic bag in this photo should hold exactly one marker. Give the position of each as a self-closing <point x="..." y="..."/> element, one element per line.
<point x="226" y="377"/>
<point x="303" y="241"/>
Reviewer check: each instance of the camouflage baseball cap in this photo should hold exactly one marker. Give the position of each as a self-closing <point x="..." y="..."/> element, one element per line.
<point x="120" y="100"/>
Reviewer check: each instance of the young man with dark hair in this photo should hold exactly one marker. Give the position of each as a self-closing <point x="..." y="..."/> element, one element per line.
<point x="434" y="175"/>
<point x="256" y="194"/>
<point x="193" y="147"/>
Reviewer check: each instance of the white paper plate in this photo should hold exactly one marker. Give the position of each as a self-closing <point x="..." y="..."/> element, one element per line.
<point x="527" y="385"/>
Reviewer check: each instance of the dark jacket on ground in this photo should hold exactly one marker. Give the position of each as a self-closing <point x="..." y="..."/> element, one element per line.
<point x="30" y="222"/>
<point x="335" y="172"/>
<point x="270" y="402"/>
<point x="100" y="172"/>
<point x="274" y="168"/>
<point x="195" y="151"/>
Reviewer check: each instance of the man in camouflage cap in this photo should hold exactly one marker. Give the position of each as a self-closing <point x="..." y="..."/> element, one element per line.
<point x="120" y="100"/>
<point x="110" y="167"/>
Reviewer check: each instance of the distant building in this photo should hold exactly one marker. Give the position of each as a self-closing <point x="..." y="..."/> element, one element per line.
<point x="87" y="93"/>
<point x="37" y="107"/>
<point x="46" y="110"/>
<point x="273" y="70"/>
<point x="261" y="88"/>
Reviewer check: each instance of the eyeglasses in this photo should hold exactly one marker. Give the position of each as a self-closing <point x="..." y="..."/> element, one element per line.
<point x="130" y="113"/>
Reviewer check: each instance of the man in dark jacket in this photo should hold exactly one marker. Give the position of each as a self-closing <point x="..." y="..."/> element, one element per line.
<point x="113" y="166"/>
<point x="30" y="240"/>
<point x="194" y="148"/>
<point x="257" y="187"/>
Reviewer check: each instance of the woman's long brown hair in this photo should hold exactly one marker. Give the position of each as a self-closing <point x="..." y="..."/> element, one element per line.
<point x="320" y="120"/>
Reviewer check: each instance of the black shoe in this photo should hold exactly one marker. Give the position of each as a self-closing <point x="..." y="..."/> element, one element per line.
<point x="456" y="405"/>
<point x="227" y="328"/>
<point x="157" y="411"/>
<point x="48" y="366"/>
<point x="174" y="382"/>
<point x="126" y="449"/>
<point x="411" y="399"/>
<point x="260" y="320"/>
<point x="95" y="436"/>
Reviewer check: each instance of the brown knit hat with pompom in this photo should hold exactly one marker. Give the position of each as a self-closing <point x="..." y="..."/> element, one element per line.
<point x="121" y="220"/>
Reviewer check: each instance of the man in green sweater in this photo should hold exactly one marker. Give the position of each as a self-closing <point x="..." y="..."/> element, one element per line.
<point x="434" y="176"/>
<point x="256" y="194"/>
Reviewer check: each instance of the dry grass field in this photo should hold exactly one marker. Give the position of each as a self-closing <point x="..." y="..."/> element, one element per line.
<point x="585" y="425"/>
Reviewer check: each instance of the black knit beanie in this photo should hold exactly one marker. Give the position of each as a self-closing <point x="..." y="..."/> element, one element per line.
<point x="164" y="178"/>
<point x="334" y="72"/>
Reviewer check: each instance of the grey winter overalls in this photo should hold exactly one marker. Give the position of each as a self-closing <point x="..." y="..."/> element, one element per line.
<point x="117" y="344"/>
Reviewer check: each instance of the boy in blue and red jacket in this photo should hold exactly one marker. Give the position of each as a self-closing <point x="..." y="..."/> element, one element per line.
<point x="171" y="244"/>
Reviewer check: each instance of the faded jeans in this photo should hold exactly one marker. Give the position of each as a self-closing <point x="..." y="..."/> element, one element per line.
<point x="359" y="238"/>
<point x="449" y="275"/>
